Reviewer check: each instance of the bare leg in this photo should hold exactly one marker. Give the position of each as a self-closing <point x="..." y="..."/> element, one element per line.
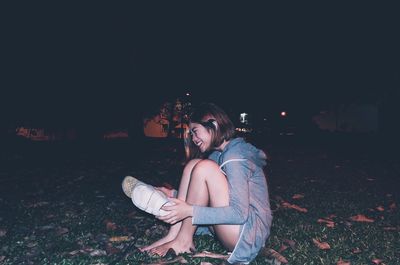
<point x="208" y="186"/>
<point x="182" y="193"/>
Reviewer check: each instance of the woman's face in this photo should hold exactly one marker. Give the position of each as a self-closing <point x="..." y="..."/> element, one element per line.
<point x="200" y="136"/>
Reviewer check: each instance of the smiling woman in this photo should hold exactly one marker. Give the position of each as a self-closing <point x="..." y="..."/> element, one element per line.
<point x="223" y="186"/>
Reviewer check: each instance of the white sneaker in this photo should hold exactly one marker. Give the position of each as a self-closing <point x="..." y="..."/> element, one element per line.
<point x="145" y="196"/>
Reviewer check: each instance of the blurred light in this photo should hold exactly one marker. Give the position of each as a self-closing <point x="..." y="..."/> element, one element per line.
<point x="283" y="114"/>
<point x="188" y="94"/>
<point x="243" y="117"/>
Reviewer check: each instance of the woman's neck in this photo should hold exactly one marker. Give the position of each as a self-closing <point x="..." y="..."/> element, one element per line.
<point x="222" y="146"/>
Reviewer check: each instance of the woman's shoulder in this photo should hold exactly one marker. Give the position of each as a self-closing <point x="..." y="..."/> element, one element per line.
<point x="237" y="147"/>
<point x="240" y="149"/>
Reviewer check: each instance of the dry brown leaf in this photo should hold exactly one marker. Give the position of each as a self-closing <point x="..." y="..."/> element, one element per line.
<point x="298" y="196"/>
<point x="112" y="250"/>
<point x="270" y="253"/>
<point x="37" y="204"/>
<point x="32" y="244"/>
<point x="321" y="245"/>
<point x="110" y="226"/>
<point x="377" y="261"/>
<point x="294" y="207"/>
<point x="331" y="216"/>
<point x="98" y="253"/>
<point x="328" y="223"/>
<point x="61" y="231"/>
<point x="391" y="228"/>
<point x="289" y="242"/>
<point x="343" y="262"/>
<point x="361" y="218"/>
<point x="282" y="248"/>
<point x="119" y="238"/>
<point x="207" y="254"/>
<point x="356" y="251"/>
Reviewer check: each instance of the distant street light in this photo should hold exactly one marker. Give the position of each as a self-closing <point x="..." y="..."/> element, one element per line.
<point x="283" y="113"/>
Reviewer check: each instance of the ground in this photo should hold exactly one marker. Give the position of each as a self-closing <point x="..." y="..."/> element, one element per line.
<point x="62" y="203"/>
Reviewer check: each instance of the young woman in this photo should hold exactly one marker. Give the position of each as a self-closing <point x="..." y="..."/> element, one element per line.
<point x="227" y="191"/>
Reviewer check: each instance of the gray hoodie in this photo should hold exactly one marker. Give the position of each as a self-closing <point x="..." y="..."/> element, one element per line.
<point x="249" y="205"/>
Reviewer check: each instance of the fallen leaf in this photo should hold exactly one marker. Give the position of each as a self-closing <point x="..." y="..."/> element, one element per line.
<point x="31" y="244"/>
<point x="294" y="207"/>
<point x="97" y="253"/>
<point x="328" y="223"/>
<point x="112" y="250"/>
<point x="298" y="196"/>
<point x="380" y="208"/>
<point x="343" y="262"/>
<point x="205" y="263"/>
<point x="289" y="242"/>
<point x="61" y="231"/>
<point x="377" y="261"/>
<point x="37" y="204"/>
<point x="119" y="238"/>
<point x="47" y="227"/>
<point x="282" y="248"/>
<point x="75" y="252"/>
<point x="207" y="254"/>
<point x="356" y="251"/>
<point x="391" y="228"/>
<point x="321" y="245"/>
<point x="270" y="253"/>
<point x="110" y="226"/>
<point x="361" y="218"/>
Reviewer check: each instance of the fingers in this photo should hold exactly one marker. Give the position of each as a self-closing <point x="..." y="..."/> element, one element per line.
<point x="169" y="218"/>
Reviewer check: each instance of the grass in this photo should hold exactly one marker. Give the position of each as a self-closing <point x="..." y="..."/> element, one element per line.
<point x="64" y="207"/>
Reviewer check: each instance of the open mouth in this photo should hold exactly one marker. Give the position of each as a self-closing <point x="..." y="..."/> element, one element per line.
<point x="198" y="144"/>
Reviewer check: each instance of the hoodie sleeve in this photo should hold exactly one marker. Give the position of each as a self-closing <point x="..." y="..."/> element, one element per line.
<point x="238" y="172"/>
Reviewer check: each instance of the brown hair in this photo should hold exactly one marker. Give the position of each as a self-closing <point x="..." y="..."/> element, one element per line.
<point x="216" y="121"/>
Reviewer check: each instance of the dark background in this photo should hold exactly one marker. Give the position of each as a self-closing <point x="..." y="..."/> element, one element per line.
<point x="74" y="64"/>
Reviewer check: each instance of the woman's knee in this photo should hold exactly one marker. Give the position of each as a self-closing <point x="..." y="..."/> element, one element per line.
<point x="190" y="165"/>
<point x="206" y="168"/>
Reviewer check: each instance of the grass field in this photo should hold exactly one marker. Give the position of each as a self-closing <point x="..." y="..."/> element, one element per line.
<point x="64" y="205"/>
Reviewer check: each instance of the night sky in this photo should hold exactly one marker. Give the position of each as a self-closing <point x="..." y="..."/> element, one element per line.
<point x="64" y="63"/>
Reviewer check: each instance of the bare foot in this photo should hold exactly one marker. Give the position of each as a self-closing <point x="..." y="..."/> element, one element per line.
<point x="159" y="242"/>
<point x="176" y="245"/>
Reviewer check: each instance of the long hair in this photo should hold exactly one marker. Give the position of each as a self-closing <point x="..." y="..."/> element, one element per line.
<point x="216" y="121"/>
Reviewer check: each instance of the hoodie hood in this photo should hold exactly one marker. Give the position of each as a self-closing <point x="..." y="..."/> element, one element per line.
<point x="244" y="150"/>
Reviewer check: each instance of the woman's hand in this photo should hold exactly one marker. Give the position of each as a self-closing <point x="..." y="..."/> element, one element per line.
<point x="177" y="212"/>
